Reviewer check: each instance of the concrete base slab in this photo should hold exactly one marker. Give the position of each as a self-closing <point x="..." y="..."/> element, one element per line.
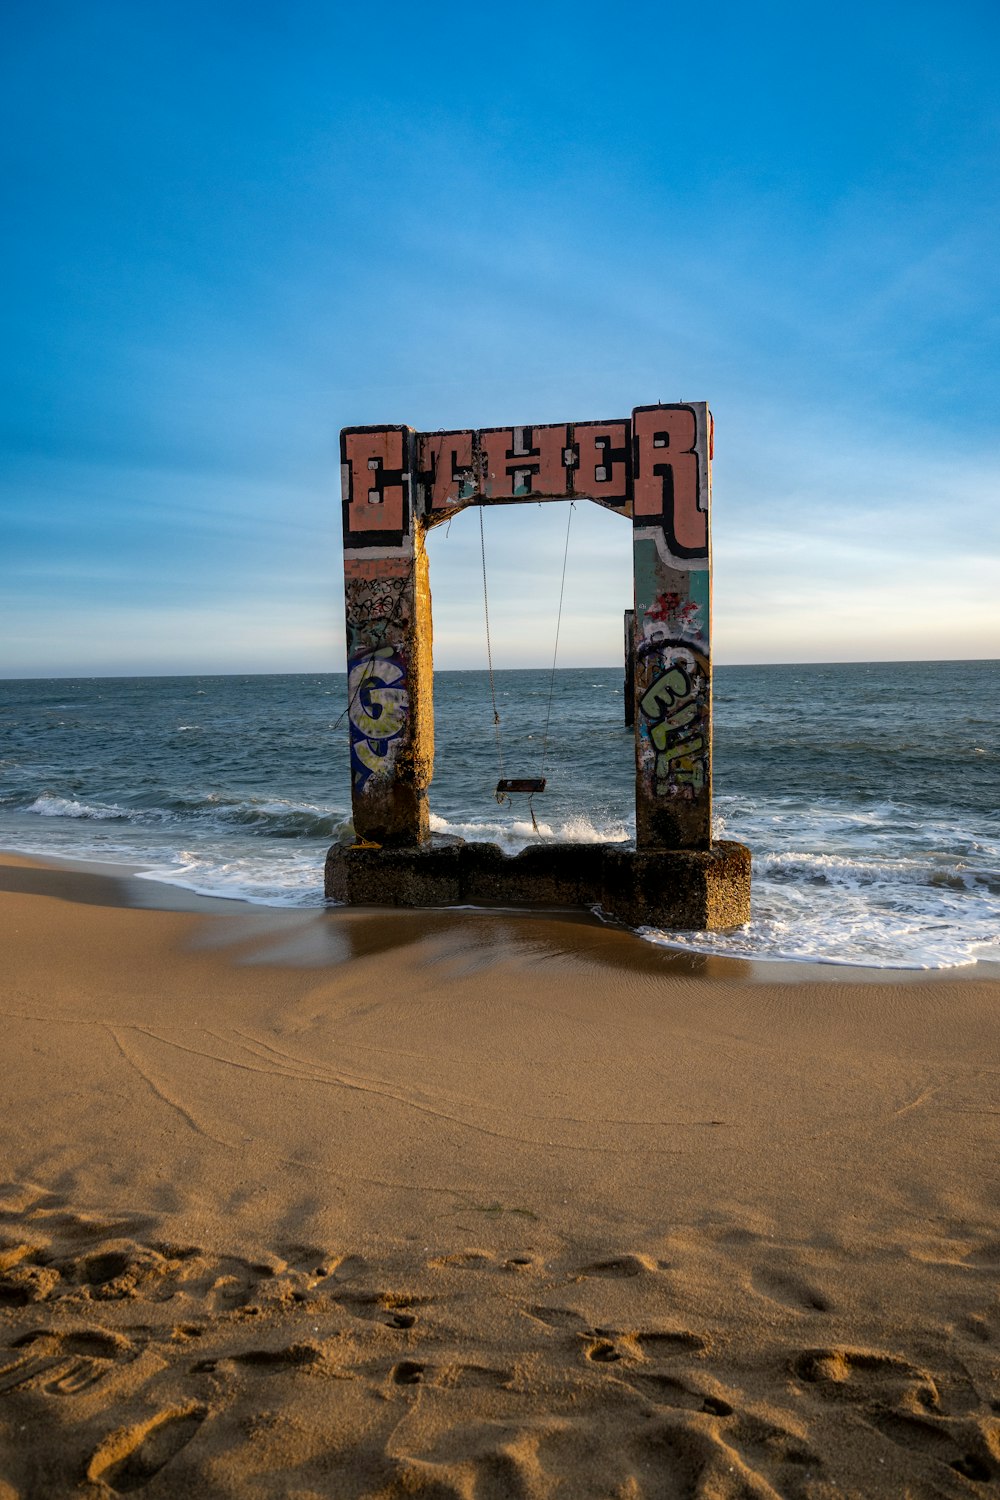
<point x="673" y="888"/>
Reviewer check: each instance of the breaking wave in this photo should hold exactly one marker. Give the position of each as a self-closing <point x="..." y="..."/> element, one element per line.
<point x="926" y="910"/>
<point x="68" y="807"/>
<point x="894" y="913"/>
<point x="513" y="836"/>
<point x="270" y="817"/>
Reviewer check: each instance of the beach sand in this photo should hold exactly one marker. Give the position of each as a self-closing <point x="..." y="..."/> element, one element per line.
<point x="482" y="1205"/>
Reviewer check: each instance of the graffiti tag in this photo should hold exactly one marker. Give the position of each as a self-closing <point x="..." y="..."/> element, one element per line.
<point x="670" y="618"/>
<point x="370" y="600"/>
<point x="378" y="706"/>
<point x="674" y="706"/>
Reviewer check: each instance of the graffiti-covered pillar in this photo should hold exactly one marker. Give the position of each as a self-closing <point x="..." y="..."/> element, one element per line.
<point x="671" y="529"/>
<point x="387" y="597"/>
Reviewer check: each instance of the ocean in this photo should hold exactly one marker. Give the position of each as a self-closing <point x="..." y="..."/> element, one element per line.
<point x="868" y="793"/>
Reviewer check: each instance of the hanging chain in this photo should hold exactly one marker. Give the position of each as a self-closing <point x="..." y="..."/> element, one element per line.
<point x="555" y="654"/>
<point x="555" y="649"/>
<point x="489" y="653"/>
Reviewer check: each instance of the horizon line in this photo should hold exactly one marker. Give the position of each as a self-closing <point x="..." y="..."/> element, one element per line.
<point x="888" y="661"/>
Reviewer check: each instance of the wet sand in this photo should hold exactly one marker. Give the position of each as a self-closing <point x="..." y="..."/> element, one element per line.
<point x="482" y="1205"/>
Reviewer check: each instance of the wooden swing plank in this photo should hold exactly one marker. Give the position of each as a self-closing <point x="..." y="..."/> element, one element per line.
<point x="525" y="784"/>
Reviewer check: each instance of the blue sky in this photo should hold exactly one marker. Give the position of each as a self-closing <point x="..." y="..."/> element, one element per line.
<point x="233" y="229"/>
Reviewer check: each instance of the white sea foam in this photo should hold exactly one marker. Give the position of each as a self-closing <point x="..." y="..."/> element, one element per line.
<point x="889" y="913"/>
<point x="516" y="834"/>
<point x="296" y="879"/>
<point x="277" y="816"/>
<point x="936" y="908"/>
<point x="852" y="874"/>
<point x="68" y="807"/>
<point x="878" y="886"/>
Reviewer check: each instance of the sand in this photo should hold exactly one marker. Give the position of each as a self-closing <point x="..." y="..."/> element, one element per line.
<point x="482" y="1205"/>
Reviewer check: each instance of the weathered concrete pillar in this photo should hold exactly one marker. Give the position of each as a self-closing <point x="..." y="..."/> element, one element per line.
<point x="671" y="530"/>
<point x="389" y="634"/>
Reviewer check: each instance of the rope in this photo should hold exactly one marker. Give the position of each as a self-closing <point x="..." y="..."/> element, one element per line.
<point x="555" y="654"/>
<point x="555" y="649"/>
<point x="489" y="653"/>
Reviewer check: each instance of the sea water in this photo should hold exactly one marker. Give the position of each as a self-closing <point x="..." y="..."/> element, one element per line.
<point x="868" y="793"/>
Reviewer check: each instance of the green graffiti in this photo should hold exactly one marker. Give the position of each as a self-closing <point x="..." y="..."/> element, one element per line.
<point x="674" y="706"/>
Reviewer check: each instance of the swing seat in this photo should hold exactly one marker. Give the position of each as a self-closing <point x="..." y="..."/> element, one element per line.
<point x="524" y="784"/>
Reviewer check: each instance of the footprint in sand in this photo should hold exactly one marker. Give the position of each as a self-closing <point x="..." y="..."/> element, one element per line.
<point x="271" y="1361"/>
<point x="92" y="1266"/>
<point x="660" y="1342"/>
<point x="864" y="1374"/>
<point x="338" y="1268"/>
<point x="689" y="1458"/>
<point x="63" y="1364"/>
<point x="295" y="1356"/>
<point x="13" y="1252"/>
<point x="25" y="1273"/>
<point x="788" y="1290"/>
<point x="621" y="1265"/>
<point x="117" y="1270"/>
<point x="602" y="1351"/>
<point x="112" y="1271"/>
<point x="183" y="1333"/>
<point x="26" y="1284"/>
<point x="940" y="1439"/>
<point x="464" y="1260"/>
<point x="608" y="1346"/>
<point x="311" y="1260"/>
<point x="967" y="1446"/>
<point x="390" y="1308"/>
<point x="668" y="1390"/>
<point x="901" y="1401"/>
<point x="412" y="1372"/>
<point x="562" y="1318"/>
<point x="161" y="1272"/>
<point x="764" y="1442"/>
<point x="887" y="1379"/>
<point x="109" y="1270"/>
<point x="131" y="1456"/>
<point x="735" y="1456"/>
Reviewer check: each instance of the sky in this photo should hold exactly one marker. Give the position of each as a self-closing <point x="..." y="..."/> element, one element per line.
<point x="232" y="229"/>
